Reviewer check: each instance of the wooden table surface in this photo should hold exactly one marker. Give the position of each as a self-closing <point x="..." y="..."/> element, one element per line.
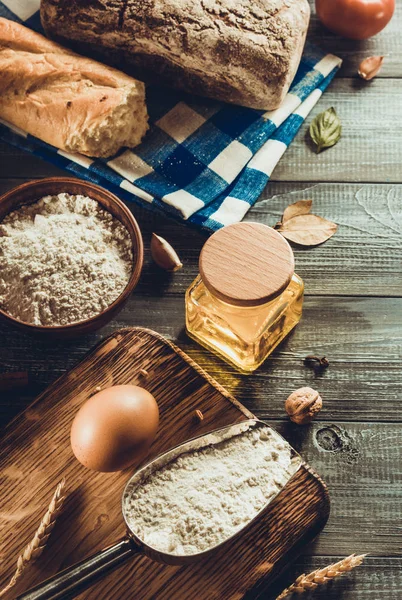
<point x="353" y="315"/>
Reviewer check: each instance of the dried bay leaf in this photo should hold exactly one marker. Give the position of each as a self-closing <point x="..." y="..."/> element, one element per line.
<point x="326" y="129"/>
<point x="307" y="230"/>
<point x="301" y="207"/>
<point x="298" y="225"/>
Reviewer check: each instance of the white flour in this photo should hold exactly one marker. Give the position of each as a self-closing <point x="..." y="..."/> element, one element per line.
<point x="201" y="498"/>
<point x="63" y="259"/>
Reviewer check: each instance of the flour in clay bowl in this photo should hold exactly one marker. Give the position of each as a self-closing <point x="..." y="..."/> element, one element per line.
<point x="203" y="497"/>
<point x="63" y="259"/>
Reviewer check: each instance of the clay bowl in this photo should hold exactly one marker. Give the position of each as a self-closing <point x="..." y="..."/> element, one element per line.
<point x="28" y="193"/>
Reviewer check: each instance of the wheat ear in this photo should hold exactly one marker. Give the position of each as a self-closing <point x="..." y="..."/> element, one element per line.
<point x="311" y="581"/>
<point x="36" y="546"/>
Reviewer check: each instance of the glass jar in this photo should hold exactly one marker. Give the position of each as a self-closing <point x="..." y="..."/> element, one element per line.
<point x="247" y="297"/>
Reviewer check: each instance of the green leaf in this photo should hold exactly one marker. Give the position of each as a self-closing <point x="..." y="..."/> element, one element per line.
<point x="326" y="129"/>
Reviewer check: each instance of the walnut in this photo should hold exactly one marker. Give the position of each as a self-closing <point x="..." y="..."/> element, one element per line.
<point x="303" y="404"/>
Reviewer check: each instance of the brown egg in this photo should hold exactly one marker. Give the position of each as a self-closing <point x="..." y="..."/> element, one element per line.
<point x="115" y="428"/>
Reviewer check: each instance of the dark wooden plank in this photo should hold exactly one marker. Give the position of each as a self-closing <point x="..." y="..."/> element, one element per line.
<point x="360" y="463"/>
<point x="361" y="337"/>
<point x="388" y="42"/>
<point x="365" y="255"/>
<point x="369" y="150"/>
<point x="371" y="140"/>
<point x="20" y="164"/>
<point x="363" y="381"/>
<point x="378" y="577"/>
<point x="297" y="515"/>
<point x="363" y="258"/>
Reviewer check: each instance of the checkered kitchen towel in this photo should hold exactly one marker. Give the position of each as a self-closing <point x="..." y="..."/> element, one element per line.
<point x="202" y="161"/>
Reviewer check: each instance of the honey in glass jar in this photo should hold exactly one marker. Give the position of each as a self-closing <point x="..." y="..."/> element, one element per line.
<point x="247" y="297"/>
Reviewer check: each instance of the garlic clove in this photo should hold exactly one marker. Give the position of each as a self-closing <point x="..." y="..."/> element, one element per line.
<point x="370" y="66"/>
<point x="164" y="254"/>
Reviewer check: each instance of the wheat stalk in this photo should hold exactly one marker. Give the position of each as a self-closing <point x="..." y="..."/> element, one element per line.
<point x="311" y="581"/>
<point x="36" y="546"/>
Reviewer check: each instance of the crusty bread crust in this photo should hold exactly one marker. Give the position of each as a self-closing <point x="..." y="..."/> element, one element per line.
<point x="240" y="51"/>
<point x="66" y="100"/>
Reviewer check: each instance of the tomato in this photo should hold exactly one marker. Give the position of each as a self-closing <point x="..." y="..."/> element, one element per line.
<point x="355" y="19"/>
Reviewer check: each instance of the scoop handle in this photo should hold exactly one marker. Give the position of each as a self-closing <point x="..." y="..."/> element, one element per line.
<point x="77" y="578"/>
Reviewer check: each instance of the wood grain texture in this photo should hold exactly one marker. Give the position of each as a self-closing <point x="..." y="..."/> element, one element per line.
<point x="363" y="383"/>
<point x="362" y="338"/>
<point x="93" y="514"/>
<point x="17" y="163"/>
<point x="246" y="264"/>
<point x="357" y="461"/>
<point x="371" y="141"/>
<point x="363" y="258"/>
<point x="377" y="578"/>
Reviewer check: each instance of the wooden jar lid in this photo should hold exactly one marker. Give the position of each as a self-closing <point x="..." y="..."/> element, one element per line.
<point x="246" y="264"/>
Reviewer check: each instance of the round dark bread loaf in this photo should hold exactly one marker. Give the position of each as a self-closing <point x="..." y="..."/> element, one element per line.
<point x="240" y="51"/>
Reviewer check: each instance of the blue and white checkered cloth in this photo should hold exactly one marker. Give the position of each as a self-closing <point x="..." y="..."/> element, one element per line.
<point x="202" y="161"/>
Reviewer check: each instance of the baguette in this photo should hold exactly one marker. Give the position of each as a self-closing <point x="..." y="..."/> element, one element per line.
<point x="71" y="102"/>
<point x="240" y="51"/>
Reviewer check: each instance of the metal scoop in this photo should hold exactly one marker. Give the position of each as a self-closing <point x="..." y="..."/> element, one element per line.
<point x="77" y="578"/>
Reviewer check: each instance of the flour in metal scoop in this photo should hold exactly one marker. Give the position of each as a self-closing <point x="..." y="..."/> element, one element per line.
<point x="63" y="259"/>
<point x="203" y="497"/>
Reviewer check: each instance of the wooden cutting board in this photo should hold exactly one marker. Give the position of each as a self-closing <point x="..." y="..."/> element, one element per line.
<point x="35" y="455"/>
